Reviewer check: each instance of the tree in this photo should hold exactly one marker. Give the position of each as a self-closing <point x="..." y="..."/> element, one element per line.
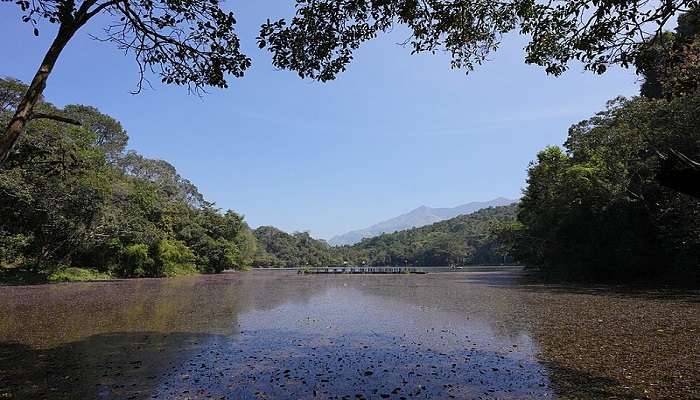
<point x="670" y="65"/>
<point x="110" y="136"/>
<point x="51" y="203"/>
<point x="163" y="175"/>
<point x="72" y="197"/>
<point x="320" y="40"/>
<point x="280" y="249"/>
<point x="670" y="62"/>
<point x="185" y="42"/>
<point x="598" y="210"/>
<point x="11" y="91"/>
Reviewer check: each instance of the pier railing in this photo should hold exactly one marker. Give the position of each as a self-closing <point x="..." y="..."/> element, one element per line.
<point x="361" y="270"/>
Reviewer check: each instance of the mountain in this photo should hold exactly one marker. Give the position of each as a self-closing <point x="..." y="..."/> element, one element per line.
<point x="421" y="216"/>
<point x="462" y="240"/>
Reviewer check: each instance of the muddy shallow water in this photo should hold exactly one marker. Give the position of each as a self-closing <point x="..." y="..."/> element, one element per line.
<point x="269" y="334"/>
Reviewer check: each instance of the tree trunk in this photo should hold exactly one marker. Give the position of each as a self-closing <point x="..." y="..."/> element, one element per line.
<point x="24" y="111"/>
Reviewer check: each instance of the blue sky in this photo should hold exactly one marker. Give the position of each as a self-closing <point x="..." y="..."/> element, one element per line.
<point x="392" y="133"/>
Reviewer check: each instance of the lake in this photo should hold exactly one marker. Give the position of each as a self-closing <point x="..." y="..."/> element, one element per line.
<point x="489" y="333"/>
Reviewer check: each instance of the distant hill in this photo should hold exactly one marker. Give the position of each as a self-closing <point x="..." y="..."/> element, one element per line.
<point x="277" y="248"/>
<point x="421" y="216"/>
<point x="462" y="240"/>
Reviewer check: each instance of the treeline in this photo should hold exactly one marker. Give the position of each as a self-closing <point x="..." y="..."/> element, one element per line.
<point x="464" y="240"/>
<point x="278" y="249"/>
<point x="72" y="196"/>
<point x="620" y="201"/>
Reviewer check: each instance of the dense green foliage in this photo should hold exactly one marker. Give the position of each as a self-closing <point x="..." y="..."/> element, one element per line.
<point x="467" y="239"/>
<point x="73" y="274"/>
<point x="610" y="206"/>
<point x="463" y="240"/>
<point x="280" y="249"/>
<point x="72" y="196"/>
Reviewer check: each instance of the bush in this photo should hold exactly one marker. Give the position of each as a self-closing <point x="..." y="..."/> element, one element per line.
<point x="12" y="248"/>
<point x="77" y="275"/>
<point x="136" y="261"/>
<point x="173" y="258"/>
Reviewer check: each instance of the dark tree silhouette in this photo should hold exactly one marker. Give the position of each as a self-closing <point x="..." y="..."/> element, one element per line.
<point x="185" y="42"/>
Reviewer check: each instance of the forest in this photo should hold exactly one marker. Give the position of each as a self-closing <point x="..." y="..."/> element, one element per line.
<point x="464" y="240"/>
<point x="619" y="200"/>
<point x="75" y="203"/>
<point x="279" y="249"/>
<point x="613" y="204"/>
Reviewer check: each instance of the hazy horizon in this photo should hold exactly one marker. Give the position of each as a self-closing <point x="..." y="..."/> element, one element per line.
<point x="396" y="213"/>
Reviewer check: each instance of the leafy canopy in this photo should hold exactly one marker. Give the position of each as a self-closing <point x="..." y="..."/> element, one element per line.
<point x="599" y="211"/>
<point x="185" y="42"/>
<point x="73" y="197"/>
<point x="319" y="41"/>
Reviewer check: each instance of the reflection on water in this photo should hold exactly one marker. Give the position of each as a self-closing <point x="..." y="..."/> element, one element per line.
<point x="279" y="335"/>
<point x="348" y="342"/>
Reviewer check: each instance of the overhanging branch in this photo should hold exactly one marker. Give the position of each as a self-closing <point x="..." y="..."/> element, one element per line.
<point x="58" y="118"/>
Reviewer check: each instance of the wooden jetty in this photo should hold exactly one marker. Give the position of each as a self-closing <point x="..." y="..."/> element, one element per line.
<point x="361" y="270"/>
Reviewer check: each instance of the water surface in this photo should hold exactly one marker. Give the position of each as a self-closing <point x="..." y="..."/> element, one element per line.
<point x="268" y="334"/>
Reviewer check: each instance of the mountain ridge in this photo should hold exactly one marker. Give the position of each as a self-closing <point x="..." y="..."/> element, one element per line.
<point x="415" y="218"/>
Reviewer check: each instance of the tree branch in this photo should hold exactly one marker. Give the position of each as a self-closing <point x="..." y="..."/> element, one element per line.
<point x="100" y="8"/>
<point x="58" y="118"/>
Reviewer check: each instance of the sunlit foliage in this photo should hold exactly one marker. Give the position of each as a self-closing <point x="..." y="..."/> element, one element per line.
<point x="72" y="196"/>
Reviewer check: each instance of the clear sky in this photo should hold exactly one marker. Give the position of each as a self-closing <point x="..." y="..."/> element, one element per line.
<point x="392" y="133"/>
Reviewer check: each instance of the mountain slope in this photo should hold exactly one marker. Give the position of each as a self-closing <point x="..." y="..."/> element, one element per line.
<point x="421" y="216"/>
<point x="462" y="240"/>
<point x="277" y="248"/>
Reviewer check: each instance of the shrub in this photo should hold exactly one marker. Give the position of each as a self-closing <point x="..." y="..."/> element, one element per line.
<point x="136" y="261"/>
<point x="173" y="258"/>
<point x="72" y="274"/>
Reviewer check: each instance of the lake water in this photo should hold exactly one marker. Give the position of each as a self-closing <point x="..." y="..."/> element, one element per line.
<point x="487" y="334"/>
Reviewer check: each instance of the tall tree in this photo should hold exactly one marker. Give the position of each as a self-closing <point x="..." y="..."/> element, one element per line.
<point x="598" y="209"/>
<point x="185" y="42"/>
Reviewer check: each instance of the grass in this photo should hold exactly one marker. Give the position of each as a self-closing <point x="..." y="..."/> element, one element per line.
<point x="73" y="274"/>
<point x="22" y="276"/>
